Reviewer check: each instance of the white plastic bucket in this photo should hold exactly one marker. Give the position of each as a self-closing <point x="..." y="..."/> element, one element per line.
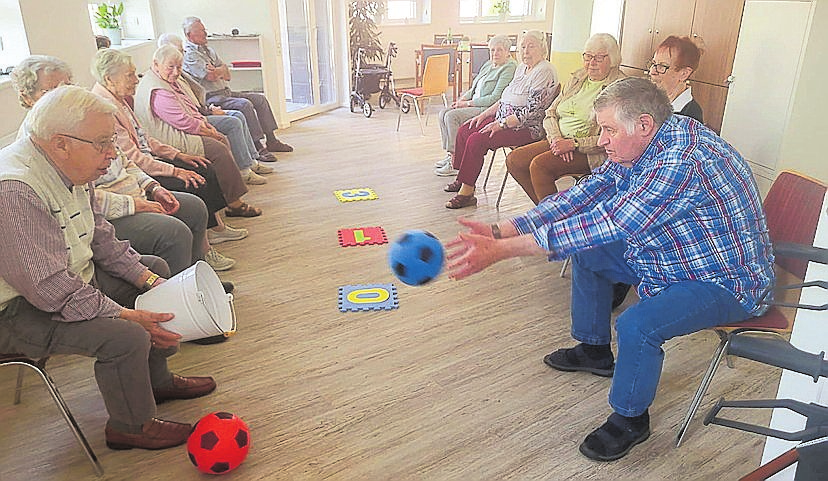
<point x="197" y="299"/>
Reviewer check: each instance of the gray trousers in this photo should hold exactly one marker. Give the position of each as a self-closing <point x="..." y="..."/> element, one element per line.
<point x="254" y="106"/>
<point x="177" y="238"/>
<point x="234" y="127"/>
<point x="126" y="365"/>
<point x="450" y="121"/>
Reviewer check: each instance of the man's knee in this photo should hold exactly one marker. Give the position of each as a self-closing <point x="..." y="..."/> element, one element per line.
<point x="123" y="339"/>
<point x="157" y="264"/>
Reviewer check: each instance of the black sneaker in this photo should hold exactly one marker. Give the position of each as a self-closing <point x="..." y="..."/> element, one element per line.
<point x="616" y="437"/>
<point x="575" y="359"/>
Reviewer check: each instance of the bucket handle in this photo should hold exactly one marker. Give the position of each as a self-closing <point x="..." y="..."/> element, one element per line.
<point x="232" y="315"/>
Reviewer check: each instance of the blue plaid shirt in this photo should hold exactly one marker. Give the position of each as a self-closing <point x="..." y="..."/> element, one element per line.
<point x="688" y="209"/>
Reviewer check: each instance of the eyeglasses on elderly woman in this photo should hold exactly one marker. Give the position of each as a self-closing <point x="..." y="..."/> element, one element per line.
<point x="659" y="68"/>
<point x="588" y="57"/>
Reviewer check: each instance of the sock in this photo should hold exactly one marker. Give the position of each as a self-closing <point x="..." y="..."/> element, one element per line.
<point x="600" y="351"/>
<point x="270" y="137"/>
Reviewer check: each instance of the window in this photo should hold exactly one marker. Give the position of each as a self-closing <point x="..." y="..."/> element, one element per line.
<point x="490" y="10"/>
<point x="136" y="21"/>
<point x="606" y="17"/>
<point x="406" y="11"/>
<point x="14" y="45"/>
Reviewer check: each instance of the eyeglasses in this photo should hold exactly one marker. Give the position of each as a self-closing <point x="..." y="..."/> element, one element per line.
<point x="588" y="57"/>
<point x="660" y="68"/>
<point x="101" y="146"/>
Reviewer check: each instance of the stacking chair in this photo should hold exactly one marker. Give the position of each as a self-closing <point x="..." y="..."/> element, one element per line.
<point x="39" y="366"/>
<point x="427" y="51"/>
<point x="478" y="55"/>
<point x="435" y="83"/>
<point x="792" y="208"/>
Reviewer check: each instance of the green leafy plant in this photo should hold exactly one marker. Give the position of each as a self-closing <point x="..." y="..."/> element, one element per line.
<point x="362" y="15"/>
<point x="108" y="16"/>
<point x="501" y="7"/>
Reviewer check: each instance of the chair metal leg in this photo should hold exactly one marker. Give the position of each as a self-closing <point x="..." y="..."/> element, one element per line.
<point x="419" y="117"/>
<point x="67" y="415"/>
<point x="489" y="171"/>
<point x="502" y="186"/>
<point x="400" y="111"/>
<point x="564" y="266"/>
<point x="705" y="383"/>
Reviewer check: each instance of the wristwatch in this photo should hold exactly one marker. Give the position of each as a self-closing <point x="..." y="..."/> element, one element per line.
<point x="575" y="141"/>
<point x="151" y="280"/>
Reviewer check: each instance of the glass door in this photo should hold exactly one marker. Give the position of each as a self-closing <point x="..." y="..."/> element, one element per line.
<point x="307" y="46"/>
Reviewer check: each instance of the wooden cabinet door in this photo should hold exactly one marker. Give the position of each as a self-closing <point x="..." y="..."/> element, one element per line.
<point x="637" y="32"/>
<point x="712" y="100"/>
<point x="672" y="17"/>
<point x="717" y="22"/>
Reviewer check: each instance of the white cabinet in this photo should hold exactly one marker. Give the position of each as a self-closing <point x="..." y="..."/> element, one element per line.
<point x="241" y="48"/>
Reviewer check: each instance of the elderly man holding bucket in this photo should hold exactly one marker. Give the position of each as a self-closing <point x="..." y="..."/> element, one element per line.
<point x="66" y="282"/>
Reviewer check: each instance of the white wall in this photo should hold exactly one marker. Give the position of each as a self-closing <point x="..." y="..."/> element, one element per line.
<point x="802" y="145"/>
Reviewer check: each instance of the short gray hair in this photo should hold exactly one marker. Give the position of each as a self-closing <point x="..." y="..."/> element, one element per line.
<point x="502" y="41"/>
<point x="538" y="36"/>
<point x="165" y="52"/>
<point x="632" y="97"/>
<point x="63" y="109"/>
<point x="188" y="23"/>
<point x="108" y="62"/>
<point x="170" y="39"/>
<point x="607" y="43"/>
<point x="25" y="74"/>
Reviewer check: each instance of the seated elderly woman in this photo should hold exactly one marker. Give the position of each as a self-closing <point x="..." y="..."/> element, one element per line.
<point x="161" y="95"/>
<point x="228" y="122"/>
<point x="116" y="78"/>
<point x="486" y="89"/>
<point x="218" y="181"/>
<point x="515" y="119"/>
<point x="177" y="235"/>
<point x="571" y="144"/>
<point x="673" y="63"/>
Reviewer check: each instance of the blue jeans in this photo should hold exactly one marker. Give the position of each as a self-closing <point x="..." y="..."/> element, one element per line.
<point x="236" y="132"/>
<point x="680" y="309"/>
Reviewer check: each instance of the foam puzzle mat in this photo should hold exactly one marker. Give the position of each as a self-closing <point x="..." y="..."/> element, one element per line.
<point x="361" y="236"/>
<point x="368" y="297"/>
<point x="352" y="195"/>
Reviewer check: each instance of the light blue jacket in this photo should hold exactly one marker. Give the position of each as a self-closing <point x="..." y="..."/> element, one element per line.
<point x="491" y="82"/>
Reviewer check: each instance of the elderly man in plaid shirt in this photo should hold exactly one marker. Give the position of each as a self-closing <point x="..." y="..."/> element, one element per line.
<point x="674" y="210"/>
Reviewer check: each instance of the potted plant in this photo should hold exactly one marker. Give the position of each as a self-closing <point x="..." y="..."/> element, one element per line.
<point x="108" y="18"/>
<point x="501" y="7"/>
<point x="363" y="29"/>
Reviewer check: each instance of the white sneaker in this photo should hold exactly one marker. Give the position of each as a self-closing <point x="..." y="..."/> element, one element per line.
<point x="217" y="261"/>
<point x="442" y="162"/>
<point x="228" y="234"/>
<point x="446" y="171"/>
<point x="260" y="168"/>
<point x="252" y="178"/>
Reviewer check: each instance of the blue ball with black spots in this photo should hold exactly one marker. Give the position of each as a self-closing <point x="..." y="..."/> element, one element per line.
<point x="416" y="257"/>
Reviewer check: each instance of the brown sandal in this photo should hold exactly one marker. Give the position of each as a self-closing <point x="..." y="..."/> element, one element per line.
<point x="453" y="187"/>
<point x="460" y="201"/>
<point x="244" y="210"/>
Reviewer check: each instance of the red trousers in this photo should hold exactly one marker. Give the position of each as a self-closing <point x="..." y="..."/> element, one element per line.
<point x="471" y="147"/>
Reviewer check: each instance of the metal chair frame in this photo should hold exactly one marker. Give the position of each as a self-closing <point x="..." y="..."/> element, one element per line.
<point x="39" y="366"/>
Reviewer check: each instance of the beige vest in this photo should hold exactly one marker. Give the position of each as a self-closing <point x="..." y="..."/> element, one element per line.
<point x="71" y="209"/>
<point x="155" y="127"/>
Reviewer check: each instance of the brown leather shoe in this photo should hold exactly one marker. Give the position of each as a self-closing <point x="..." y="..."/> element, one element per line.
<point x="157" y="434"/>
<point x="278" y="146"/>
<point x="184" y="388"/>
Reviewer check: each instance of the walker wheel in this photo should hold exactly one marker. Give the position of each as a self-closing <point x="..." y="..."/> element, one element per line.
<point x="405" y="106"/>
<point x="367" y="110"/>
<point x="383" y="101"/>
<point x="354" y="103"/>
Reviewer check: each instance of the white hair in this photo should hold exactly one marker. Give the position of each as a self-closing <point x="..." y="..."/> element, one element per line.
<point x="502" y="41"/>
<point x="166" y="52"/>
<point x="606" y="42"/>
<point x="109" y="62"/>
<point x="539" y="37"/>
<point x="170" y="39"/>
<point x="188" y="23"/>
<point x="63" y="109"/>
<point x="25" y="75"/>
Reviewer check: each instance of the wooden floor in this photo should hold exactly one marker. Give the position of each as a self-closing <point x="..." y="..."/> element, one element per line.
<point x="450" y="386"/>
